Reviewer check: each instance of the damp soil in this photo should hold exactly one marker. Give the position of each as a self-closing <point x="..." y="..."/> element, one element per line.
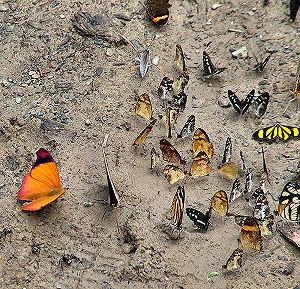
<point x="89" y="83"/>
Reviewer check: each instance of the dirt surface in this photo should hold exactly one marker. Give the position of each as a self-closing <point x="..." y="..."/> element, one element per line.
<point x="90" y="86"/>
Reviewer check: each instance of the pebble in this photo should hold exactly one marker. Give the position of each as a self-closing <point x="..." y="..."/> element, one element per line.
<point x="18" y="100"/>
<point x="88" y="122"/>
<point x="62" y="16"/>
<point x="52" y="64"/>
<point x="240" y="53"/>
<point x="155" y="60"/>
<point x="215" y="6"/>
<point x="141" y="265"/>
<point x="224" y="102"/>
<point x="3" y="8"/>
<point x="109" y="52"/>
<point x="146" y="270"/>
<point x="88" y="204"/>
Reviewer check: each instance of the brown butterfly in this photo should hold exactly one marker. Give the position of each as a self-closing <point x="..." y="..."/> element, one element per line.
<point x="229" y="169"/>
<point x="201" y="143"/>
<point x="170" y="154"/>
<point x="179" y="58"/>
<point x="154" y="158"/>
<point x="173" y="174"/>
<point x="201" y="165"/>
<point x="143" y="107"/>
<point x="219" y="202"/>
<point x="158" y="11"/>
<point x="142" y="136"/>
<point x="250" y="236"/>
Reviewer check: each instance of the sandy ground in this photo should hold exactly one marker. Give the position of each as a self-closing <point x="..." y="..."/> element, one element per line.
<point x="72" y="90"/>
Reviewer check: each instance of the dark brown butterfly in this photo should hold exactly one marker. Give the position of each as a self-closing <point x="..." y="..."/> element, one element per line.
<point x="250" y="236"/>
<point x="170" y="154"/>
<point x="158" y="11"/>
<point x="241" y="106"/>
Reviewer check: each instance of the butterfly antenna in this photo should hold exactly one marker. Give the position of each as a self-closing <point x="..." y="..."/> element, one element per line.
<point x="115" y="213"/>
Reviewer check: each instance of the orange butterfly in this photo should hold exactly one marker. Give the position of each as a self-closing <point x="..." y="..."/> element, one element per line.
<point x="42" y="185"/>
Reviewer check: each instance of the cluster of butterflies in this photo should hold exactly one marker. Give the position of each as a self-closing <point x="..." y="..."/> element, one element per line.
<point x="252" y="227"/>
<point x="158" y="10"/>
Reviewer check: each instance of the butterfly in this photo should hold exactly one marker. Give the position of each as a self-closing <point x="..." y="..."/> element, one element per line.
<point x="260" y="65"/>
<point x="290" y="231"/>
<point x="42" y="185"/>
<point x="201" y="142"/>
<point x="250" y="236"/>
<point x="289" y="202"/>
<point x="154" y="159"/>
<point x="173" y="174"/>
<point x="248" y="183"/>
<point x="113" y="199"/>
<point x="168" y="123"/>
<point x="165" y="89"/>
<point x="228" y="168"/>
<point x="262" y="208"/>
<point x="219" y="202"/>
<point x="266" y="226"/>
<point x="209" y="69"/>
<point x="179" y="58"/>
<point x="235" y="191"/>
<point x="266" y="171"/>
<point x="143" y="107"/>
<point x="241" y="106"/>
<point x="144" y="62"/>
<point x="188" y="127"/>
<point x="294" y="7"/>
<point x="200" y="220"/>
<point x="158" y="11"/>
<point x="180" y="83"/>
<point x="170" y="154"/>
<point x="142" y="136"/>
<point x="177" y="207"/>
<point x="296" y="88"/>
<point x="201" y="165"/>
<point x="283" y="132"/>
<point x="179" y="101"/>
<point x="234" y="261"/>
<point x="260" y="104"/>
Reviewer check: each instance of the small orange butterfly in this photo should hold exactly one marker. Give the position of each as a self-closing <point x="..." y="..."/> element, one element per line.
<point x="42" y="185"/>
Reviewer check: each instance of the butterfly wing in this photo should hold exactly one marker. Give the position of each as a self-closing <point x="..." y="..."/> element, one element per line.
<point x="229" y="169"/>
<point x="42" y="185"/>
<point x="219" y="203"/>
<point x="250" y="236"/>
<point x="236" y="103"/>
<point x="207" y="65"/>
<point x="188" y="127"/>
<point x="294" y="7"/>
<point x="268" y="133"/>
<point x="154" y="158"/>
<point x="247" y="101"/>
<point x="261" y="104"/>
<point x="165" y="90"/>
<point x="143" y="107"/>
<point x="144" y="62"/>
<point x="235" y="191"/>
<point x="173" y="174"/>
<point x="227" y="151"/>
<point x="179" y="58"/>
<point x="201" y="165"/>
<point x="177" y="206"/>
<point x="170" y="154"/>
<point x="200" y="220"/>
<point x="143" y="135"/>
<point x="158" y="11"/>
<point x="201" y="142"/>
<point x="296" y="88"/>
<point x="235" y="260"/>
<point x="285" y="132"/>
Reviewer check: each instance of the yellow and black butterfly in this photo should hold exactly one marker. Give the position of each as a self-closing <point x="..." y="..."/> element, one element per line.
<point x="173" y="174"/>
<point x="143" y="107"/>
<point x="178" y="206"/>
<point x="158" y="11"/>
<point x="234" y="261"/>
<point x="142" y="136"/>
<point x="289" y="202"/>
<point x="219" y="203"/>
<point x="279" y="131"/>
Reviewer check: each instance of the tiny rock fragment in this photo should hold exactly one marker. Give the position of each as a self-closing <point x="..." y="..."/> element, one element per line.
<point x="3" y="8"/>
<point x="224" y="102"/>
<point x="215" y="6"/>
<point x="88" y="122"/>
<point x="240" y="53"/>
<point x="155" y="60"/>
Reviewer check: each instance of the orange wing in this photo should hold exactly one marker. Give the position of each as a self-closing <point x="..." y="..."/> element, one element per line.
<point x="42" y="185"/>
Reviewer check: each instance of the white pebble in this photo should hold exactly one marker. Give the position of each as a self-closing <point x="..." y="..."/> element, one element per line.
<point x="240" y="53"/>
<point x="18" y="100"/>
<point x="155" y="60"/>
<point x="215" y="6"/>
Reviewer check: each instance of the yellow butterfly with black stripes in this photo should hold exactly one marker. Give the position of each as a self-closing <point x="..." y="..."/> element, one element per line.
<point x="280" y="131"/>
<point x="177" y="207"/>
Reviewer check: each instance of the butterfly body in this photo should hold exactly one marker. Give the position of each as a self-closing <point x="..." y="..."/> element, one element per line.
<point x="42" y="185"/>
<point x="241" y="106"/>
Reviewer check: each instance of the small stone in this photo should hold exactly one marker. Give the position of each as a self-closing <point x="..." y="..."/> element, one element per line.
<point x="88" y="204"/>
<point x="155" y="60"/>
<point x="109" y="52"/>
<point x="146" y="270"/>
<point x="254" y="9"/>
<point x="88" y="122"/>
<point x="58" y="287"/>
<point x="224" y="102"/>
<point x="215" y="6"/>
<point x="141" y="265"/>
<point x="62" y="16"/>
<point x="240" y="53"/>
<point x="3" y="8"/>
<point x="18" y="100"/>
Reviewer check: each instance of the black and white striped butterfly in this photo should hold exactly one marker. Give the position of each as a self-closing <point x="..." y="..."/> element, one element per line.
<point x="260" y="104"/>
<point x="209" y="69"/>
<point x="200" y="220"/>
<point x="241" y="106"/>
<point x="165" y="89"/>
<point x="260" y="65"/>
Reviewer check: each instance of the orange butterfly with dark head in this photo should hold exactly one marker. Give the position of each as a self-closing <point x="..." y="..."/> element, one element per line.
<point x="42" y="185"/>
